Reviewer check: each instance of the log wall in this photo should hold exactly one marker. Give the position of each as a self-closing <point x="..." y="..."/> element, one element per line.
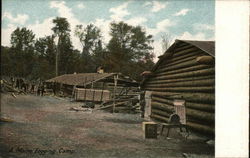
<point x="181" y="76"/>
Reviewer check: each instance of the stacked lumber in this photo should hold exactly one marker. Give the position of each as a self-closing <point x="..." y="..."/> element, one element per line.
<point x="95" y="95"/>
<point x="188" y="74"/>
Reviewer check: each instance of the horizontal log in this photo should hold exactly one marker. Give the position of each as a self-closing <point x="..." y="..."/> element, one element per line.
<point x="192" y="97"/>
<point x="200" y="115"/>
<point x="165" y="107"/>
<point x="172" y="60"/>
<point x="201" y="106"/>
<point x="207" y="82"/>
<point x="182" y="44"/>
<point x="178" y="66"/>
<point x="159" y="117"/>
<point x="162" y="100"/>
<point x="123" y="108"/>
<point x="183" y="89"/>
<point x="161" y="113"/>
<point x="184" y="51"/>
<point x="201" y="128"/>
<point x="205" y="59"/>
<point x="181" y="61"/>
<point x="201" y="122"/>
<point x="203" y="72"/>
<point x="192" y="68"/>
<point x="191" y="105"/>
<point x="152" y="81"/>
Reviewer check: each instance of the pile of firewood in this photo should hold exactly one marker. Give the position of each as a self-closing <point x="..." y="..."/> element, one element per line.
<point x="7" y="87"/>
<point x="125" y="104"/>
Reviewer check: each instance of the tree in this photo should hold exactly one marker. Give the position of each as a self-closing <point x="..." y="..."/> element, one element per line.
<point x="129" y="46"/>
<point x="166" y="42"/>
<point x="61" y="30"/>
<point x="22" y="39"/>
<point x="6" y="61"/>
<point x="22" y="51"/>
<point x="45" y="49"/>
<point x="91" y="41"/>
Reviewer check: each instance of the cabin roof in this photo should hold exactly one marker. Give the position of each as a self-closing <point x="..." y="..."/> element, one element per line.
<point x="83" y="79"/>
<point x="206" y="46"/>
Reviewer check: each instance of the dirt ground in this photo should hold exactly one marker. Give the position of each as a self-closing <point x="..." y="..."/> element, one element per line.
<point x="45" y="127"/>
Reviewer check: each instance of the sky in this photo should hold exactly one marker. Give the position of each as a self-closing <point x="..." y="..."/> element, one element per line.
<point x="178" y="19"/>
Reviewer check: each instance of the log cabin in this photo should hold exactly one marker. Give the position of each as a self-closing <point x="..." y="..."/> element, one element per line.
<point x="186" y="71"/>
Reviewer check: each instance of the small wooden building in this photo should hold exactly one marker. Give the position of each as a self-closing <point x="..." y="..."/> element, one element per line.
<point x="186" y="72"/>
<point x="93" y="86"/>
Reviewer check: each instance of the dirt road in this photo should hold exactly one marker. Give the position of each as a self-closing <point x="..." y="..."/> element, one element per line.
<point x="45" y="127"/>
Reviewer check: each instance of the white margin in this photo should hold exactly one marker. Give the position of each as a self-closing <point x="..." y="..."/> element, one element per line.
<point x="232" y="78"/>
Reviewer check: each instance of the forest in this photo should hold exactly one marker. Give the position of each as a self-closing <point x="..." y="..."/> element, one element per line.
<point x="129" y="51"/>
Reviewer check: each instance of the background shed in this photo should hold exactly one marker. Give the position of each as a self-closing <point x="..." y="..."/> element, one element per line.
<point x="93" y="86"/>
<point x="185" y="71"/>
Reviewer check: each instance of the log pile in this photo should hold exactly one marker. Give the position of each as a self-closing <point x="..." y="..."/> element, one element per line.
<point x="129" y="104"/>
<point x="8" y="87"/>
<point x="188" y="73"/>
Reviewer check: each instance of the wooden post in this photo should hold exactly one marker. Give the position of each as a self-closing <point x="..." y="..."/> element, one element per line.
<point x="73" y="92"/>
<point x="93" y="98"/>
<point x="92" y="87"/>
<point x="85" y="89"/>
<point x="147" y="105"/>
<point x="102" y="90"/>
<point x="57" y="55"/>
<point x="115" y="83"/>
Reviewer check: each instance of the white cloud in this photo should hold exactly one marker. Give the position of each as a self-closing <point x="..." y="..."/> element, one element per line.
<point x="19" y="19"/>
<point x="157" y="6"/>
<point x="119" y="12"/>
<point x="136" y="21"/>
<point x="104" y="26"/>
<point x="157" y="49"/>
<point x="6" y="34"/>
<point x="42" y="29"/>
<point x="164" y="24"/>
<point x="182" y="12"/>
<point x="81" y="6"/>
<point x="161" y="26"/>
<point x="147" y="3"/>
<point x="203" y="27"/>
<point x="198" y="36"/>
